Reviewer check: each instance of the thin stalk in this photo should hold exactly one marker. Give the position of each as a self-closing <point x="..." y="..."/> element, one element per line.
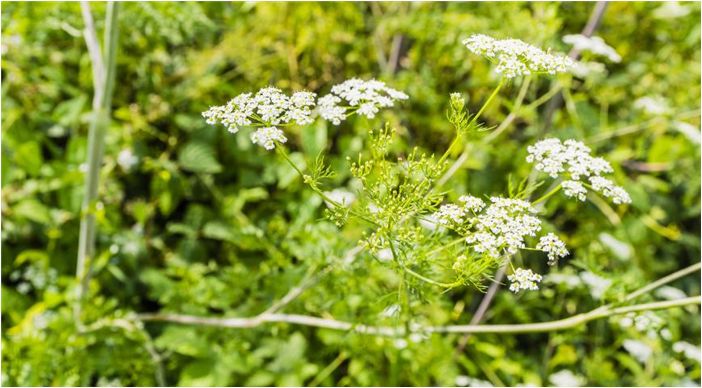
<point x="566" y="323"/>
<point x="545" y="97"/>
<point x="561" y="324"/>
<point x="547" y="195"/>
<point x="329" y="369"/>
<point x="306" y="320"/>
<point x="102" y="100"/>
<point x="441" y="248"/>
<point x="475" y="118"/>
<point x="664" y="280"/>
<point x="513" y="114"/>
<point x="454" y="167"/>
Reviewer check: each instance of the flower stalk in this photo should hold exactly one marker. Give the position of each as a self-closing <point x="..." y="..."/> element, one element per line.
<point x="103" y="82"/>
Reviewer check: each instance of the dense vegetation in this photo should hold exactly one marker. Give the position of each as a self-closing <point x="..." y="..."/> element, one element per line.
<point x="194" y="220"/>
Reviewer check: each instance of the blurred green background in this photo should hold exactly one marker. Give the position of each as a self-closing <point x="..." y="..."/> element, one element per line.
<point x="197" y="221"/>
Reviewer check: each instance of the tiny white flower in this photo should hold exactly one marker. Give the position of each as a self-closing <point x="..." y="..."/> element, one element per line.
<point x="607" y="188"/>
<point x="330" y="110"/>
<point x="553" y="246"/>
<point x="523" y="279"/>
<point x="574" y="189"/>
<point x="270" y="108"/>
<point x="266" y="137"/>
<point x="450" y="214"/>
<point x="472" y="204"/>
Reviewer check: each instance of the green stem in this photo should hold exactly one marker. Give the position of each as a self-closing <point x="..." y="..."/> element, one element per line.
<point x="306" y="320"/>
<point x="430" y="281"/>
<point x="513" y="114"/>
<point x="547" y="195"/>
<point x="441" y="248"/>
<point x="474" y="119"/>
<point x="544" y="98"/>
<point x="664" y="280"/>
<point x="103" y="84"/>
<point x="566" y="323"/>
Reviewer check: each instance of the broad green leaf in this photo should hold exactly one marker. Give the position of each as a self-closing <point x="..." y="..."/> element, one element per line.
<point x="199" y="157"/>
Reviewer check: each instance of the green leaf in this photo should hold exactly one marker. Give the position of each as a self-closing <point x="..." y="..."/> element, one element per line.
<point x="32" y="210"/>
<point x="28" y="157"/>
<point x="199" y="157"/>
<point x="218" y="230"/>
<point x="183" y="340"/>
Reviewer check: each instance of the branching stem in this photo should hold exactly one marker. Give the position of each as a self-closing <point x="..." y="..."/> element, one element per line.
<point x="561" y="324"/>
<point x="306" y="179"/>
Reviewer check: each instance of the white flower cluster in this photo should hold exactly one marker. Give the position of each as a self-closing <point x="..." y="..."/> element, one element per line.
<point x="267" y="136"/>
<point x="449" y="214"/>
<point x="553" y="246"/>
<point x="594" y="44"/>
<point x="454" y="214"/>
<point x="516" y="58"/>
<point x="523" y="279"/>
<point x="499" y="228"/>
<point x="574" y="160"/>
<point x="268" y="108"/>
<point x="365" y="97"/>
<point x="610" y="190"/>
<point x="503" y="227"/>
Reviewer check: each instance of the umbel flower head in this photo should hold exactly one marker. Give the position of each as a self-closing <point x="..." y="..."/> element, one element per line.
<point x="500" y="228"/>
<point x="516" y="58"/>
<point x="573" y="161"/>
<point x="269" y="109"/>
<point x="362" y="97"/>
<point x="523" y="279"/>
